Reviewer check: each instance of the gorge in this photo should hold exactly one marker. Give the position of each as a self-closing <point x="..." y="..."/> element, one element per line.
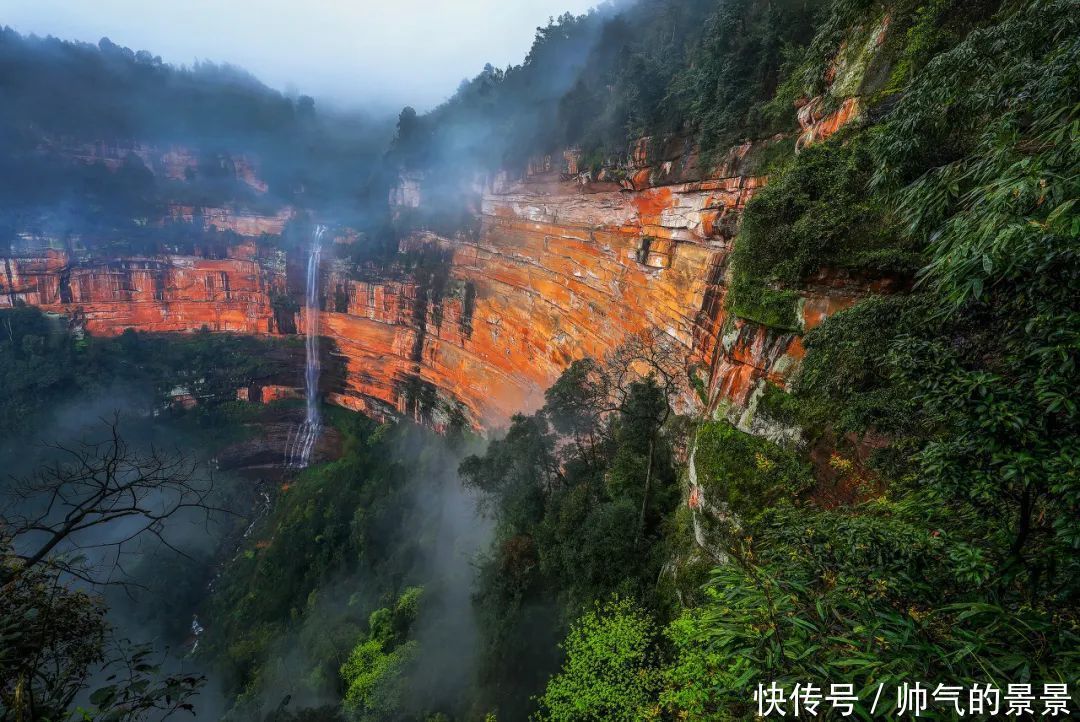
<point x="562" y="267"/>
<point x="716" y="347"/>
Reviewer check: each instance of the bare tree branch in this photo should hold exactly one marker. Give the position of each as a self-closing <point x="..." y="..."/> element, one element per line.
<point x="100" y="496"/>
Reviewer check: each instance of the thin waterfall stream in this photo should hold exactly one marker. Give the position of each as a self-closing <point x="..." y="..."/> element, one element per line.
<point x="299" y="446"/>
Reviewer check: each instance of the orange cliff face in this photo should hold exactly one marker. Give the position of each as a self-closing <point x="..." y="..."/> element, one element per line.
<point x="562" y="269"/>
<point x="159" y="294"/>
<point x="561" y="273"/>
<point x="564" y="266"/>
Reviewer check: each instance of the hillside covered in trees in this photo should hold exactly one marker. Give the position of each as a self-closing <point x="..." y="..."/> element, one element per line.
<point x="917" y="519"/>
<point x="85" y="126"/>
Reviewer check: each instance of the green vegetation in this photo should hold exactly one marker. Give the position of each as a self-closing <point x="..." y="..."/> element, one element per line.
<point x="59" y="646"/>
<point x="814" y="214"/>
<point x="86" y="128"/>
<point x="323" y="602"/>
<point x="270" y="585"/>
<point x="43" y="364"/>
<point x="956" y="558"/>
<point x="582" y="495"/>
<point x="938" y="541"/>
<point x="750" y="298"/>
<point x="375" y="672"/>
<point x="744" y="473"/>
<point x="609" y="672"/>
<point x="846" y="380"/>
<point x="598" y="81"/>
<point x="739" y="80"/>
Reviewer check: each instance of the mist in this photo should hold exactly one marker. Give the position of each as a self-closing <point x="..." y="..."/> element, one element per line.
<point x="352" y="55"/>
<point x="110" y="141"/>
<point x="151" y="582"/>
<point x="423" y="529"/>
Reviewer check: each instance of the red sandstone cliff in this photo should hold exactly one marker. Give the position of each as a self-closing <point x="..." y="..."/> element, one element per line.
<point x="565" y="265"/>
<point x="167" y="293"/>
<point x="567" y="262"/>
<point x="564" y="269"/>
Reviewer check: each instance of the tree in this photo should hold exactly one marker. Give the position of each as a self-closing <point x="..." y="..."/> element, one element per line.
<point x="610" y="672"/>
<point x="100" y="498"/>
<point x="580" y="490"/>
<point x="648" y="370"/>
<point x="408" y="145"/>
<point x="576" y="405"/>
<point x="375" y="674"/>
<point x="76" y="504"/>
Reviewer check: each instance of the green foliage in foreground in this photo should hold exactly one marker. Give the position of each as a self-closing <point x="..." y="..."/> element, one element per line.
<point x="926" y="530"/>
<point x="377" y="668"/>
<point x="610" y="669"/>
<point x="582" y="497"/>
<point x="954" y="559"/>
<point x="868" y="595"/>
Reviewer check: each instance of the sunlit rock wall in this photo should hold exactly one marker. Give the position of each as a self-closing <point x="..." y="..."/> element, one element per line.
<point x="565" y="266"/>
<point x="161" y="294"/>
<point x="566" y="263"/>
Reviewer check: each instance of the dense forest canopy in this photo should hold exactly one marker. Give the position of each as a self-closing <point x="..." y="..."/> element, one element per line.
<point x="713" y="71"/>
<point x="63" y="100"/>
<point x="111" y="93"/>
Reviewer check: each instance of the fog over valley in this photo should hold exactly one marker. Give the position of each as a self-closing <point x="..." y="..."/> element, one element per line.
<point x="356" y="56"/>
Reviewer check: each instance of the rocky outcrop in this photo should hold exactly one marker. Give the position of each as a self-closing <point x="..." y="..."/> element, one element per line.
<point x="261" y="453"/>
<point x="817" y="125"/>
<point x="171" y="162"/>
<point x="563" y="267"/>
<point x="566" y="263"/>
<point x="240" y="222"/>
<point x="162" y="294"/>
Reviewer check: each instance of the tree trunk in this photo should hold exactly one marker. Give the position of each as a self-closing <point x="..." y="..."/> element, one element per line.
<point x="645" y="498"/>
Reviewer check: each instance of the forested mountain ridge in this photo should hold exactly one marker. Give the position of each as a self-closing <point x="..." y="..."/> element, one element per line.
<point x="776" y="304"/>
<point x="101" y="141"/>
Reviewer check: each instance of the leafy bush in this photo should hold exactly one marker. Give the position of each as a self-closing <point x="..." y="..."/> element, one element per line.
<point x="749" y="298"/>
<point x="376" y="672"/>
<point x="610" y="669"/>
<point x="846" y="381"/>
<point x="816" y="213"/>
<point x="746" y="473"/>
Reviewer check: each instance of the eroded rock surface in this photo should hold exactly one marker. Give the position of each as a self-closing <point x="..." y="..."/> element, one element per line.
<point x="564" y="265"/>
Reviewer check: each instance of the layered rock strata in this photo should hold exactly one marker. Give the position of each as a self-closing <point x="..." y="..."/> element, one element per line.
<point x="158" y="294"/>
<point x="565" y="265"/>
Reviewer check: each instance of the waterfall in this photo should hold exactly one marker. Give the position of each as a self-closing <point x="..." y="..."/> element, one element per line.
<point x="298" y="447"/>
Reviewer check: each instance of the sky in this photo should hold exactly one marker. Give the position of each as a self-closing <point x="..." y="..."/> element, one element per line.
<point x="346" y="53"/>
